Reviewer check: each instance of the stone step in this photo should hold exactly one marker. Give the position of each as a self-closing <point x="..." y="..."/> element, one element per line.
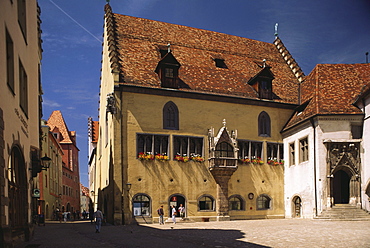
<point x="344" y="211"/>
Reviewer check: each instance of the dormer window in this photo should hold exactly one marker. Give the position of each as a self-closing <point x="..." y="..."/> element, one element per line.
<point x="262" y="83"/>
<point x="168" y="71"/>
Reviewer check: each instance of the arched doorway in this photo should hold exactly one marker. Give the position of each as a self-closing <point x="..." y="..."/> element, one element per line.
<point x="296" y="207"/>
<point x="341" y="184"/>
<point x="17" y="186"/>
<point x="176" y="200"/>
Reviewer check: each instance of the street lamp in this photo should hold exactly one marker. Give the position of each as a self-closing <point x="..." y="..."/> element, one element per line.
<point x="45" y="162"/>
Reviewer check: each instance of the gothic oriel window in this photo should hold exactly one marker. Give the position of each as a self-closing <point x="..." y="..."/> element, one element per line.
<point x="170" y="116"/>
<point x="264" y="125"/>
<point x="224" y="150"/>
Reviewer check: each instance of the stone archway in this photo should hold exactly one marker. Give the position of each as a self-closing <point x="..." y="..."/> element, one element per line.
<point x="176" y="200"/>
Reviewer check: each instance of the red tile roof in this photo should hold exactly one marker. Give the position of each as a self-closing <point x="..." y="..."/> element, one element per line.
<point x="56" y="120"/>
<point x="330" y="89"/>
<point x="137" y="42"/>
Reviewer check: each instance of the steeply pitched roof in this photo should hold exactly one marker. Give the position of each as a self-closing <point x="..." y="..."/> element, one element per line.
<point x="135" y="44"/>
<point x="330" y="89"/>
<point x="56" y="120"/>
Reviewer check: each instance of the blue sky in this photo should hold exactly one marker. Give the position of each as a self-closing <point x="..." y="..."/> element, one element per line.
<point x="315" y="32"/>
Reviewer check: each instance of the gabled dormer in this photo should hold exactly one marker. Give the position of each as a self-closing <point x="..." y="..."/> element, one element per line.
<point x="262" y="82"/>
<point x="168" y="70"/>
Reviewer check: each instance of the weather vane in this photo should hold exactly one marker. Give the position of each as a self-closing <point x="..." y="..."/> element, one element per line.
<point x="107" y="1"/>
<point x="276" y="29"/>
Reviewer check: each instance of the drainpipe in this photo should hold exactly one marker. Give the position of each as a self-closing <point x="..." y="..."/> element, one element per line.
<point x="314" y="161"/>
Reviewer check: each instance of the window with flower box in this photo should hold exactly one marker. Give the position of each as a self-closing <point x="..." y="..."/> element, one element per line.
<point x="187" y="148"/>
<point x="150" y="145"/>
<point x="250" y="151"/>
<point x="275" y="153"/>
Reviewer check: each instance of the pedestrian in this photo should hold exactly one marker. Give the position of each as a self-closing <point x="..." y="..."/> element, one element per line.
<point x="161" y="214"/>
<point x="182" y="211"/>
<point x="174" y="212"/>
<point x="65" y="216"/>
<point x="98" y="219"/>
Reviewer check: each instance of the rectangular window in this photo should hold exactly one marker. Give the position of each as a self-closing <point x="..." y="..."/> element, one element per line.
<point x="356" y="131"/>
<point x="275" y="153"/>
<point x="291" y="154"/>
<point x="9" y="61"/>
<point x="250" y="149"/>
<point x="22" y="18"/>
<point x="23" y="89"/>
<point x="187" y="146"/>
<point x="152" y="144"/>
<point x="303" y="146"/>
<point x="169" y="72"/>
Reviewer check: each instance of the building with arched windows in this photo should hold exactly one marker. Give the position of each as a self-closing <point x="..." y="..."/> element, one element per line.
<point x="191" y="117"/>
<point x="20" y="114"/>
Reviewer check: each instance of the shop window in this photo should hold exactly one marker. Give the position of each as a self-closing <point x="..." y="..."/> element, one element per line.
<point x="141" y="205"/>
<point x="263" y="202"/>
<point x="236" y="202"/>
<point x="206" y="203"/>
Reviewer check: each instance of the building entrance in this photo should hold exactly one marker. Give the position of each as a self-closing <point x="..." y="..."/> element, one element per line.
<point x="176" y="200"/>
<point x="341" y="186"/>
<point x="297" y="207"/>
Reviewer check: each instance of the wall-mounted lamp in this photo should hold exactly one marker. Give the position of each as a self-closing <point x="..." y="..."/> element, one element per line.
<point x="45" y="162"/>
<point x="128" y="186"/>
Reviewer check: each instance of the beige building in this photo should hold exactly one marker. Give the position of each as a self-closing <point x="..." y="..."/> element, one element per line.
<point x="49" y="181"/>
<point x="20" y="93"/>
<point x="191" y="117"/>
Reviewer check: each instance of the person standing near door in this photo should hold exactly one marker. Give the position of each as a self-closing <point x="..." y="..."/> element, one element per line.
<point x="161" y="213"/>
<point x="174" y="212"/>
<point x="182" y="211"/>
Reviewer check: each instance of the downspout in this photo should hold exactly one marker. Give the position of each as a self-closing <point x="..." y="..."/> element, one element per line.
<point x="314" y="162"/>
<point x="122" y="169"/>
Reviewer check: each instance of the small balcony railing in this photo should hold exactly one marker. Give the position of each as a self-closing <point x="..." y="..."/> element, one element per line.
<point x="223" y="162"/>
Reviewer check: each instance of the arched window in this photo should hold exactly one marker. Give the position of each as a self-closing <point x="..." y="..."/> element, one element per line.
<point x="206" y="203"/>
<point x="263" y="202"/>
<point x="141" y="205"/>
<point x="264" y="125"/>
<point x="236" y="202"/>
<point x="170" y="116"/>
<point x="224" y="150"/>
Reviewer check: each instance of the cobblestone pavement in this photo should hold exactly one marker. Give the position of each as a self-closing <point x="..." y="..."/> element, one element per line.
<point x="246" y="233"/>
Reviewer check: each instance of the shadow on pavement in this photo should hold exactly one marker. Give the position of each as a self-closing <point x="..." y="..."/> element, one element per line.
<point x="82" y="234"/>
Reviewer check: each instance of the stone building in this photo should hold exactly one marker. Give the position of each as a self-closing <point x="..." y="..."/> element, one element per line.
<point x="193" y="117"/>
<point x="20" y="114"/>
<point x="324" y="143"/>
<point x="70" y="190"/>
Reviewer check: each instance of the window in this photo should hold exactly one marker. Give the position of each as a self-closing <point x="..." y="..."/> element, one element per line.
<point x="265" y="89"/>
<point x="303" y="146"/>
<point x="206" y="203"/>
<point x="152" y="144"/>
<point x="23" y="89"/>
<point x="264" y="125"/>
<point x="170" y="116"/>
<point x="220" y="63"/>
<point x="263" y="202"/>
<point x="141" y="205"/>
<point x="9" y="61"/>
<point x="291" y="154"/>
<point x="275" y="151"/>
<point x="187" y="146"/>
<point x="236" y="203"/>
<point x="249" y="149"/>
<point x="22" y="18"/>
<point x="224" y="150"/>
<point x="356" y="131"/>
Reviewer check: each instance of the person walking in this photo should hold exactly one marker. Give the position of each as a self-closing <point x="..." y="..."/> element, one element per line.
<point x="161" y="214"/>
<point x="174" y="214"/>
<point x="182" y="211"/>
<point x="98" y="219"/>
